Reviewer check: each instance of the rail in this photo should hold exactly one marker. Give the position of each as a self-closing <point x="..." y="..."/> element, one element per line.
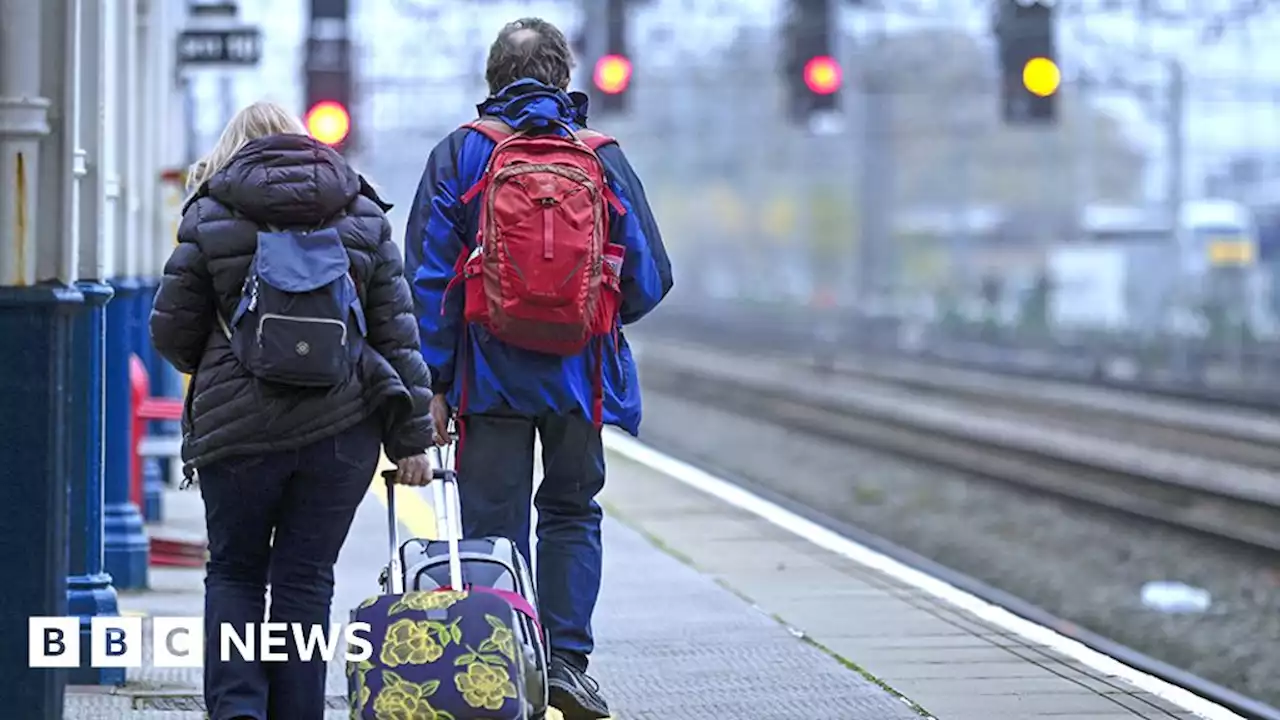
<point x="1198" y="376"/>
<point x="1235" y="432"/>
<point x="1225" y="500"/>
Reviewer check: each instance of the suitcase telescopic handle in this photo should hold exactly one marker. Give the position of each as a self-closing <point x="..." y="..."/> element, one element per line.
<point x="448" y="512"/>
<point x="444" y="495"/>
<point x="395" y="573"/>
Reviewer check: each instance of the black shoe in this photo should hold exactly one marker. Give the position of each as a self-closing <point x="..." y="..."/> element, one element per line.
<point x="574" y="693"/>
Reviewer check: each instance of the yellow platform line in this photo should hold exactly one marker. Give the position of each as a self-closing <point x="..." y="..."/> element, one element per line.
<point x="412" y="510"/>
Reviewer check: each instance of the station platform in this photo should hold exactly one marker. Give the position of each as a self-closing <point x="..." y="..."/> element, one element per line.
<point x="718" y="604"/>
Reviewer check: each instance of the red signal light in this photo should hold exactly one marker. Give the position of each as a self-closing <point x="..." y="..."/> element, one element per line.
<point x="329" y="122"/>
<point x="822" y="75"/>
<point x="613" y="74"/>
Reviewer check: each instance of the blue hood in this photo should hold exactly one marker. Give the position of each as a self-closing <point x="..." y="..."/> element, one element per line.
<point x="527" y="104"/>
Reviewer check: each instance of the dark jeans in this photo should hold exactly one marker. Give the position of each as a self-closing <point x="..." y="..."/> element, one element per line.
<point x="495" y="482"/>
<point x="307" y="498"/>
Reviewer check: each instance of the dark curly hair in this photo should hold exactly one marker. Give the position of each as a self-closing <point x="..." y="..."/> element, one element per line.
<point x="529" y="48"/>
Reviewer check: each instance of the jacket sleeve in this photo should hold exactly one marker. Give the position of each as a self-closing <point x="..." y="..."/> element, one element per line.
<point x="182" y="317"/>
<point x="646" y="270"/>
<point x="433" y="242"/>
<point x="393" y="333"/>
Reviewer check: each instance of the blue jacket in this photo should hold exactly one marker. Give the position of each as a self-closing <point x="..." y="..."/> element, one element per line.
<point x="441" y="228"/>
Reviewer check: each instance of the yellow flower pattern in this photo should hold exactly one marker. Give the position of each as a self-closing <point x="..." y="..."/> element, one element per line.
<point x="485" y="686"/>
<point x="403" y="700"/>
<point x="501" y="639"/>
<point x="483" y="675"/>
<point x="426" y="601"/>
<point x="415" y="642"/>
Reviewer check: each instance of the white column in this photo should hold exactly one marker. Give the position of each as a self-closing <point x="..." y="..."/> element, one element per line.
<point x="169" y="113"/>
<point x="112" y="161"/>
<point x="125" y="37"/>
<point x="56" y="254"/>
<point x="143" y="179"/>
<point x="23" y="125"/>
<point x="96" y="252"/>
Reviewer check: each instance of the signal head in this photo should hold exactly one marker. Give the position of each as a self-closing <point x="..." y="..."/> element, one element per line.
<point x="613" y="74"/>
<point x="1041" y="76"/>
<point x="822" y="75"/>
<point x="329" y="122"/>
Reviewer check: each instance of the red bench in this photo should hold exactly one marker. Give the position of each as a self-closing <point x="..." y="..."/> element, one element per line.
<point x="168" y="552"/>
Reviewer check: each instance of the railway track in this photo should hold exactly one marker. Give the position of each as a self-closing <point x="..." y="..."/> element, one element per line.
<point x="1241" y="437"/>
<point x="798" y="329"/>
<point x="1224" y="500"/>
<point x="1235" y="434"/>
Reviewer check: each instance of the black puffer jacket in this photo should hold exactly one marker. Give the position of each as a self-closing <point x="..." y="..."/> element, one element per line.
<point x="286" y="181"/>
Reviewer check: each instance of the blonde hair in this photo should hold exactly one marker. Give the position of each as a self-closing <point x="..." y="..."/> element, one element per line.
<point x="261" y="119"/>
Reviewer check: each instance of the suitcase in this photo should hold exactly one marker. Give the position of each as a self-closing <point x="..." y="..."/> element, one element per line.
<point x="492" y="562"/>
<point x="449" y="651"/>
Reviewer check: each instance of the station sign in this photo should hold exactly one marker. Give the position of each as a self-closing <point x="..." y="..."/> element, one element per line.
<point x="237" y="46"/>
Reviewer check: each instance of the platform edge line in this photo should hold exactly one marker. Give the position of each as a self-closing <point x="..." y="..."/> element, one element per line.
<point x="743" y="499"/>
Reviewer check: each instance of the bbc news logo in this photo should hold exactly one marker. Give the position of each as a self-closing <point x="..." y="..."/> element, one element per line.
<point x="114" y="642"/>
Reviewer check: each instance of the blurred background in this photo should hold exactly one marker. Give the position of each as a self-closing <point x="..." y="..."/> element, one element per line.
<point x="1073" y="190"/>
<point x="1096" y="182"/>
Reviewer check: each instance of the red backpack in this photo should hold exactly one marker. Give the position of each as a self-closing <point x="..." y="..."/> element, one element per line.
<point x="543" y="275"/>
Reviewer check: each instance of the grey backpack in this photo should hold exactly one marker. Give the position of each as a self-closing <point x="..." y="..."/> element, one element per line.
<point x="299" y="320"/>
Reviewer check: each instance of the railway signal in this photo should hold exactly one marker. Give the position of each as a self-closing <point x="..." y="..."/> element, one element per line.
<point x="811" y="74"/>
<point x="329" y="81"/>
<point x="1030" y="75"/>
<point x="613" y="70"/>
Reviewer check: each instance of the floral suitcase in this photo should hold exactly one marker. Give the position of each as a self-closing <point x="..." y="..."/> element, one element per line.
<point x="445" y="654"/>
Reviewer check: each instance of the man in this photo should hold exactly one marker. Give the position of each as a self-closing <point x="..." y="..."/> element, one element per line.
<point x="509" y="393"/>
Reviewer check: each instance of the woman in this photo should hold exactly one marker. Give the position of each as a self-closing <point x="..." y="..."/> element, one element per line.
<point x="273" y="458"/>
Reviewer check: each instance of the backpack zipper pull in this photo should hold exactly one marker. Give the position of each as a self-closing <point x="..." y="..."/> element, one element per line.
<point x="253" y="296"/>
<point x="548" y="228"/>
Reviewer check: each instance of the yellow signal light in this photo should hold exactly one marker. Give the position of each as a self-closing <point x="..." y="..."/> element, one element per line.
<point x="1041" y="76"/>
<point x="329" y="122"/>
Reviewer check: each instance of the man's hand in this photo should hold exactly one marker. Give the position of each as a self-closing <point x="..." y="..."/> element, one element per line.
<point x="440" y="413"/>
<point x="413" y="470"/>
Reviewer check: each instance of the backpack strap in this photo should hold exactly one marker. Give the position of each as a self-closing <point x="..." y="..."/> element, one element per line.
<point x="497" y="131"/>
<point x="594" y="139"/>
<point x="492" y="128"/>
<point x="517" y="601"/>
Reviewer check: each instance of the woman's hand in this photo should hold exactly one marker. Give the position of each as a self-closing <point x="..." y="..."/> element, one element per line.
<point x="414" y="470"/>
